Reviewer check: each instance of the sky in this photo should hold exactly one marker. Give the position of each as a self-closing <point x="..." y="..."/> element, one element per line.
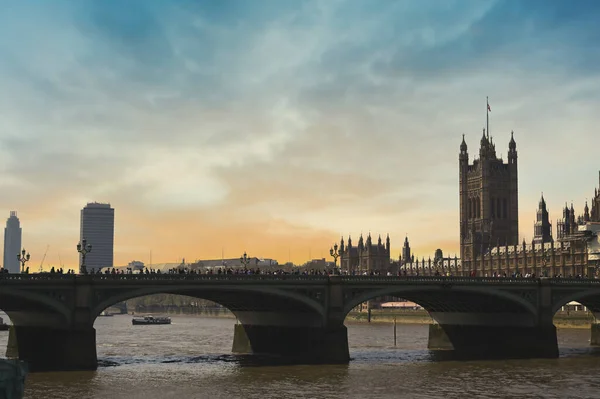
<point x="275" y="127"/>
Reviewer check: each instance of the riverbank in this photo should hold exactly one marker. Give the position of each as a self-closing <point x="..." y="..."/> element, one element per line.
<point x="224" y="314"/>
<point x="578" y="319"/>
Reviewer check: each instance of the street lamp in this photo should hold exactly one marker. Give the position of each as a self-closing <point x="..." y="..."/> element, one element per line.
<point x="23" y="257"/>
<point x="83" y="248"/>
<point x="245" y="260"/>
<point x="335" y="254"/>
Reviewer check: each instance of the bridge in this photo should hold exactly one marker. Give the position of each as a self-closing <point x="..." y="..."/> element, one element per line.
<point x="300" y="317"/>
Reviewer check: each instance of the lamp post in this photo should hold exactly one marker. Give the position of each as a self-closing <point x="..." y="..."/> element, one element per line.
<point x="23" y="257"/>
<point x="335" y="254"/>
<point x="245" y="260"/>
<point x="83" y="248"/>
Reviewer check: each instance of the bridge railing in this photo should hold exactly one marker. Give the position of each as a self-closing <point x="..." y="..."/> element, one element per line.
<point x="207" y="277"/>
<point x="573" y="281"/>
<point x="161" y="277"/>
<point x="37" y="276"/>
<point x="438" y="279"/>
<point x="296" y="277"/>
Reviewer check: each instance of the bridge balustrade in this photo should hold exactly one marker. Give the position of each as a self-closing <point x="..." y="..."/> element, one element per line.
<point x="571" y="281"/>
<point x="205" y="277"/>
<point x="295" y="277"/>
<point x="439" y="279"/>
<point x="36" y="276"/>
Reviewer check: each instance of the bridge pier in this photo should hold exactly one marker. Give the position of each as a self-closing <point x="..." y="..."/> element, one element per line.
<point x="438" y="339"/>
<point x="51" y="349"/>
<point x="495" y="342"/>
<point x="595" y="334"/>
<point x="297" y="344"/>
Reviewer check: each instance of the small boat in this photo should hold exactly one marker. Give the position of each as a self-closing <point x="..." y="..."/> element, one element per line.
<point x="150" y="320"/>
<point x="12" y="378"/>
<point x="106" y="314"/>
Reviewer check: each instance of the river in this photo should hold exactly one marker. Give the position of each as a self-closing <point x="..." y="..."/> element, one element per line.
<point x="191" y="358"/>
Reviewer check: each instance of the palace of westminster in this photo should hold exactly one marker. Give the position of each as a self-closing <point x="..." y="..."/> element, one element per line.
<point x="489" y="230"/>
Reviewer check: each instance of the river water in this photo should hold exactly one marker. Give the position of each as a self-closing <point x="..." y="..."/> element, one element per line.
<point x="191" y="358"/>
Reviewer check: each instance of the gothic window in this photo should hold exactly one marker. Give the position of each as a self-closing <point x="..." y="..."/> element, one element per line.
<point x="504" y="208"/>
<point x="478" y="207"/>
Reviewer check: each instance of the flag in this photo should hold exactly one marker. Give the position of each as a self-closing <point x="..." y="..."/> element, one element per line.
<point x="489" y="109"/>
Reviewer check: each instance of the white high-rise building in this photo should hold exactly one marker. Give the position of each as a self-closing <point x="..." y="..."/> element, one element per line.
<point x="12" y="243"/>
<point x="98" y="229"/>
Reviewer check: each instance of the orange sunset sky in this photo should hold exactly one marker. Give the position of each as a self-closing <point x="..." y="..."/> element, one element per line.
<point x="275" y="133"/>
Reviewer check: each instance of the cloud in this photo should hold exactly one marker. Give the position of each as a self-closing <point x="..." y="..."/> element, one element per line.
<point x="274" y="128"/>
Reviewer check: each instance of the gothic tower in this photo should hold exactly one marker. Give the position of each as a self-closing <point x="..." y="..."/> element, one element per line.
<point x="406" y="256"/>
<point x="542" y="229"/>
<point x="595" y="212"/>
<point x="563" y="227"/>
<point x="489" y="208"/>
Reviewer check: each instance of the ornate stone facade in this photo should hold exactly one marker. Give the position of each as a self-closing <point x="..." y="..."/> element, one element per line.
<point x="366" y="256"/>
<point x="407" y="256"/>
<point x="489" y="227"/>
<point x="595" y="214"/>
<point x="542" y="228"/>
<point x="489" y="208"/>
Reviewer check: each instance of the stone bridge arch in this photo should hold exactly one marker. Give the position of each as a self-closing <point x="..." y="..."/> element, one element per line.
<point x="42" y="317"/>
<point x="588" y="294"/>
<point x="285" y="319"/>
<point x="33" y="308"/>
<point x="589" y="297"/>
<point x="238" y="299"/>
<point x="448" y="299"/>
<point x="478" y="318"/>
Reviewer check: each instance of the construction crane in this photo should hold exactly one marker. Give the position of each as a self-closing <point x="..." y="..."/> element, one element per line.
<point x="44" y="257"/>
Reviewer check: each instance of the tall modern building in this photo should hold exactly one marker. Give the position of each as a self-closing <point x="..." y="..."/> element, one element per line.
<point x="98" y="228"/>
<point x="12" y="243"/>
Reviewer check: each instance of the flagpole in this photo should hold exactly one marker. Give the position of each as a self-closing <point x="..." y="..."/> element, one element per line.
<point x="487" y="116"/>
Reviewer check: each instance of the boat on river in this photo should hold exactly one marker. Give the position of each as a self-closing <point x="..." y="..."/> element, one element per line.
<point x="12" y="378"/>
<point x="150" y="320"/>
<point x="106" y="314"/>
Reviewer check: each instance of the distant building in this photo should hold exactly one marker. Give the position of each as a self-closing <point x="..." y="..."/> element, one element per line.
<point x="542" y="228"/>
<point x="366" y="256"/>
<point x="318" y="264"/>
<point x="12" y="243"/>
<point x="136" y="265"/>
<point x="98" y="228"/>
<point x="406" y="254"/>
<point x="593" y="243"/>
<point x="595" y="214"/>
<point x="489" y="227"/>
<point x="234" y="263"/>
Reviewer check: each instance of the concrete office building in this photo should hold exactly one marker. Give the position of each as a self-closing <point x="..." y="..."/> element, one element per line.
<point x="98" y="228"/>
<point x="12" y="243"/>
